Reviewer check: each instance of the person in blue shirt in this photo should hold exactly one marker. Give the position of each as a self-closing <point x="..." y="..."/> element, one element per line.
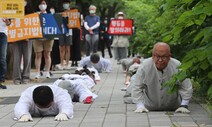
<point x="99" y="63"/>
<point x="91" y="24"/>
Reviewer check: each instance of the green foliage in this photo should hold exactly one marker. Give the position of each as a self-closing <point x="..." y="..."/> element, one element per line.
<point x="187" y="26"/>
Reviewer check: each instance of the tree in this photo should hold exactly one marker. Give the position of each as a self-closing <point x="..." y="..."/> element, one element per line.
<point x="186" y="25"/>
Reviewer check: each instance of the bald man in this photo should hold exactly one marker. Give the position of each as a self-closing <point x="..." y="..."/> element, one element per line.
<point x="148" y="93"/>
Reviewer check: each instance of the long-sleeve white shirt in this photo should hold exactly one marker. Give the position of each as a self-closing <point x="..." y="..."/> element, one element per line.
<point x="147" y="86"/>
<point x="102" y="65"/>
<point x="62" y="103"/>
<point x="3" y="27"/>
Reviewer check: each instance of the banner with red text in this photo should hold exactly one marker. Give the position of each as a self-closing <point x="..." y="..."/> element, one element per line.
<point x="121" y="27"/>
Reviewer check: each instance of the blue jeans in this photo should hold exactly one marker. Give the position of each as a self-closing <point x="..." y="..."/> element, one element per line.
<point x="91" y="43"/>
<point x="3" y="54"/>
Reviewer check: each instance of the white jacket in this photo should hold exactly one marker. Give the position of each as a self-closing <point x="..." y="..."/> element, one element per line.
<point x="81" y="85"/>
<point x="62" y="103"/>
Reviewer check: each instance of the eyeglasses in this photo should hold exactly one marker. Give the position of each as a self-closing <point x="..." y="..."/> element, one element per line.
<point x="160" y="57"/>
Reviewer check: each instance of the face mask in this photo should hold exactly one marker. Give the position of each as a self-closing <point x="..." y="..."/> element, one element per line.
<point x="52" y="11"/>
<point x="93" y="64"/>
<point x="25" y="3"/>
<point x="105" y="21"/>
<point x="43" y="109"/>
<point x="42" y="7"/>
<point x="120" y="17"/>
<point x="92" y="11"/>
<point x="65" y="6"/>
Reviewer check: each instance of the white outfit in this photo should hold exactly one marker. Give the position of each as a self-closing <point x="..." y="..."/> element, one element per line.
<point x="3" y="27"/>
<point x="102" y="65"/>
<point x="62" y="103"/>
<point x="81" y="85"/>
<point x="92" y="69"/>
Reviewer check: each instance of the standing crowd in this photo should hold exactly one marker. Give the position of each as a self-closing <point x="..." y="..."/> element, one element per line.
<point x="144" y="77"/>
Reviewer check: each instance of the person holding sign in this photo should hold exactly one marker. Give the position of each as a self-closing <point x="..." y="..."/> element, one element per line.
<point x="22" y="49"/>
<point x="41" y="45"/>
<point x="91" y="24"/>
<point x="65" y="41"/>
<point x="120" y="43"/>
<point x="4" y="22"/>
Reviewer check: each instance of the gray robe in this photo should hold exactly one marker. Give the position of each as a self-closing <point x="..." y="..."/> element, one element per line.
<point x="147" y="86"/>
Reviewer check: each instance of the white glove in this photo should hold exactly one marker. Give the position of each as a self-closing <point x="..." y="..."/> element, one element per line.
<point x="141" y="108"/>
<point x="182" y="110"/>
<point x="61" y="117"/>
<point x="25" y="118"/>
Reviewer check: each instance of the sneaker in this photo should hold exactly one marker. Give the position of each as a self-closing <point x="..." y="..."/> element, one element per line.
<point x="67" y="67"/>
<point x="17" y="82"/>
<point x="88" y="100"/>
<point x="2" y="86"/>
<point x="47" y="75"/>
<point x="124" y="89"/>
<point x="37" y="76"/>
<point x="60" y="67"/>
<point x="25" y="82"/>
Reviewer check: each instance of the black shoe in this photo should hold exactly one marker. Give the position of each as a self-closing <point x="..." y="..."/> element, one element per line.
<point x="41" y="73"/>
<point x="2" y="86"/>
<point x="76" y="64"/>
<point x="51" y="74"/>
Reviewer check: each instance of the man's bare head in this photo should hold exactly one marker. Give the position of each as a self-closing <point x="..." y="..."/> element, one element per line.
<point x="161" y="55"/>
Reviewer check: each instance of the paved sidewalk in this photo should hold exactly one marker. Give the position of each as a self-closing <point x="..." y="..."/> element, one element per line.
<point x="108" y="110"/>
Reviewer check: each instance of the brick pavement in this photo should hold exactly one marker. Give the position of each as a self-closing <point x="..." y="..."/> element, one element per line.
<point x="108" y="110"/>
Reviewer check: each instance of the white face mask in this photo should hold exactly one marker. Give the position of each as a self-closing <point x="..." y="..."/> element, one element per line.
<point x="92" y="11"/>
<point x="120" y="17"/>
<point x="42" y="7"/>
<point x="52" y="11"/>
<point x="43" y="109"/>
<point x="65" y="6"/>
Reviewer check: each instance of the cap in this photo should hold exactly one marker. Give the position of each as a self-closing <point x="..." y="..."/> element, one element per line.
<point x="120" y="13"/>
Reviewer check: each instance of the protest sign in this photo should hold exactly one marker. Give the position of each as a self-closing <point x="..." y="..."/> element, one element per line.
<point x="51" y="25"/>
<point x="25" y="28"/>
<point x="73" y="18"/>
<point x="12" y="8"/>
<point x="121" y="27"/>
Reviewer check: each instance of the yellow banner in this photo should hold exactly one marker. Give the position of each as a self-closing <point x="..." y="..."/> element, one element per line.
<point x="25" y="28"/>
<point x="73" y="18"/>
<point x="12" y="8"/>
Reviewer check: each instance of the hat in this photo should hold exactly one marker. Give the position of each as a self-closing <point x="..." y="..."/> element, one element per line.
<point x="120" y="13"/>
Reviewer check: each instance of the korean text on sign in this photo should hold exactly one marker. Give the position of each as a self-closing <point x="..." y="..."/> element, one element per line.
<point x="25" y="28"/>
<point x="121" y="27"/>
<point x="73" y="18"/>
<point x="12" y="8"/>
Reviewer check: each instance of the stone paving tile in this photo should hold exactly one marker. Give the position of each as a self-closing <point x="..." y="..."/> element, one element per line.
<point x="108" y="110"/>
<point x="112" y="120"/>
